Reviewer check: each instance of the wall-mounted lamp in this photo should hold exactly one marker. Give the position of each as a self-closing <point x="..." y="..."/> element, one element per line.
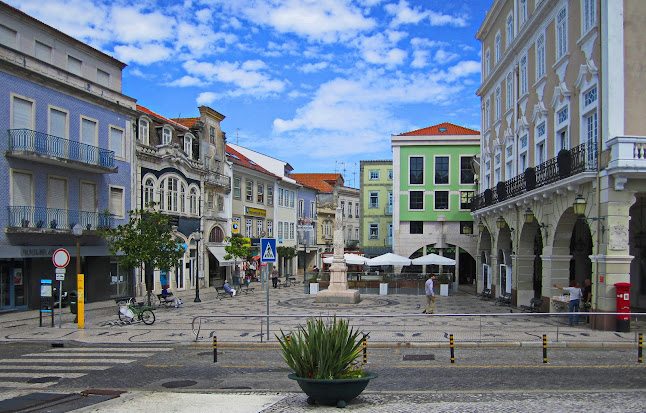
<point x="501" y="223"/>
<point x="481" y="226"/>
<point x="529" y="216"/>
<point x="579" y="207"/>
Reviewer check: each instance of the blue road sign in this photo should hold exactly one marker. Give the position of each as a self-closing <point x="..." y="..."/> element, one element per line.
<point x="268" y="250"/>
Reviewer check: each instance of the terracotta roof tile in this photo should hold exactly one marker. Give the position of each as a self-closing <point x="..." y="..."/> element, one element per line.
<point x="445" y="128"/>
<point x="188" y="122"/>
<point x="237" y="158"/>
<point x="158" y="116"/>
<point x="322" y="182"/>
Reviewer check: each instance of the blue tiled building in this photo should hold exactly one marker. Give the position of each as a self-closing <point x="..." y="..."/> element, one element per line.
<point x="67" y="165"/>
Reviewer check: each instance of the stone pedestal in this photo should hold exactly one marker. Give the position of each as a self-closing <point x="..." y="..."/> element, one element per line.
<point x="338" y="291"/>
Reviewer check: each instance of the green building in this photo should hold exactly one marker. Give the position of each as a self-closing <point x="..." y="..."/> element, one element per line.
<point x="433" y="185"/>
<point x="376" y="207"/>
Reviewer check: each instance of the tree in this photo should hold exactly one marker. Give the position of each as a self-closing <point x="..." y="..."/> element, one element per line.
<point x="238" y="248"/>
<point x="286" y="253"/>
<point x="146" y="240"/>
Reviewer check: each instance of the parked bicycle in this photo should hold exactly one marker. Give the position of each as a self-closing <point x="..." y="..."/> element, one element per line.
<point x="130" y="311"/>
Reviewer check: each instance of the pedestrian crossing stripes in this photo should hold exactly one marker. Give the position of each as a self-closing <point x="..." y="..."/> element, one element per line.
<point x="45" y="369"/>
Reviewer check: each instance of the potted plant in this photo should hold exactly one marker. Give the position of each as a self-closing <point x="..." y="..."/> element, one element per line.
<point x="53" y="224"/>
<point x="488" y="196"/>
<point x="40" y="224"/>
<point x="444" y="284"/>
<point x="564" y="162"/>
<point x="314" y="284"/>
<point x="383" y="286"/>
<point x="24" y="223"/>
<point x="530" y="178"/>
<point x="323" y="357"/>
<point x="501" y="191"/>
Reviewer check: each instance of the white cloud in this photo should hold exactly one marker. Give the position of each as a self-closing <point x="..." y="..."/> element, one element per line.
<point x="403" y="14"/>
<point x="206" y="98"/>
<point x="313" y="67"/>
<point x="439" y="19"/>
<point x="144" y="54"/>
<point x="420" y="59"/>
<point x="186" y="81"/>
<point x="131" y="26"/>
<point x="381" y="48"/>
<point x="443" y="57"/>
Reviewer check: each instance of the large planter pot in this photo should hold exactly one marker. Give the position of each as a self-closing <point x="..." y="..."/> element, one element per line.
<point x="383" y="288"/>
<point x="334" y="392"/>
<point x="530" y="179"/>
<point x="564" y="162"/>
<point x="488" y="196"/>
<point x="501" y="191"/>
<point x="314" y="288"/>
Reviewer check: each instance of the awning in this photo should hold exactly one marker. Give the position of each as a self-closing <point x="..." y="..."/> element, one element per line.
<point x="219" y="253"/>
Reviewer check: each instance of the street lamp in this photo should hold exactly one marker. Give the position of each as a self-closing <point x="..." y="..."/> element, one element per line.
<point x="197" y="238"/>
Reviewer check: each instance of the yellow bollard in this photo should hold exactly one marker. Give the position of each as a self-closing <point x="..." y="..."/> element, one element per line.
<point x="80" y="312"/>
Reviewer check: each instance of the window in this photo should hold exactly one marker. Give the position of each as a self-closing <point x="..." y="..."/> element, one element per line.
<point x="373" y="231"/>
<point x="23" y="115"/>
<point x="498" y="159"/>
<point x="343" y="209"/>
<point x="43" y="52"/>
<point x="509" y="161"/>
<point x="116" y="142"/>
<point x="416" y="170"/>
<point x="249" y="227"/>
<point x="390" y="174"/>
<point x="220" y="203"/>
<point x="509" y="100"/>
<point x="327" y="227"/>
<point x="540" y="57"/>
<point x="216" y="235"/>
<point x="416" y="200"/>
<point x="590" y="97"/>
<point x="210" y="200"/>
<point x="291" y="199"/>
<point x="260" y="195"/>
<point x="280" y="229"/>
<point x="466" y="170"/>
<point x="188" y="145"/>
<point x="88" y="137"/>
<point x="291" y="230"/>
<point x="441" y="170"/>
<point x="591" y="132"/>
<point x="441" y="199"/>
<point x="249" y="191"/>
<point x="497" y="47"/>
<point x="510" y="29"/>
<point x="259" y="227"/>
<point x="211" y="134"/>
<point x="540" y="143"/>
<point x="301" y="208"/>
<point x="312" y="209"/>
<point x="102" y="78"/>
<point x="22" y="190"/>
<point x="169" y="194"/>
<point x="522" y="12"/>
<point x="498" y="103"/>
<point x="57" y="196"/>
<point x="374" y="200"/>
<point x="57" y="123"/>
<point x="487" y="114"/>
<point x="523" y="75"/>
<point x="417" y="227"/>
<point x="522" y="162"/>
<point x="270" y="195"/>
<point x="356" y="210"/>
<point x="192" y="201"/>
<point x="8" y="36"/>
<point x="561" y="33"/>
<point x="167" y="135"/>
<point x="236" y="188"/>
<point x="466" y="227"/>
<point x="117" y="202"/>
<point x="487" y="62"/>
<point x="144" y="131"/>
<point x="280" y="196"/>
<point x="374" y="175"/>
<point x="349" y="209"/>
<point x="562" y="134"/>
<point x="74" y="65"/>
<point x="465" y="199"/>
<point x="270" y="228"/>
<point x="589" y="15"/>
<point x="149" y="192"/>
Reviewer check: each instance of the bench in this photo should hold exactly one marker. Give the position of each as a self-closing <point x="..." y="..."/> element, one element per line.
<point x="504" y="299"/>
<point x="222" y="293"/>
<point x="289" y="281"/>
<point x="485" y="295"/>
<point x="166" y="300"/>
<point x="533" y="307"/>
<point x="244" y="288"/>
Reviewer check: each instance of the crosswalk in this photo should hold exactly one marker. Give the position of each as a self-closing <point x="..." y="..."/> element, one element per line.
<point x="45" y="369"/>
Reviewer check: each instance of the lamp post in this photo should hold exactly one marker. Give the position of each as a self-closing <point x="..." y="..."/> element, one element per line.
<point x="77" y="230"/>
<point x="197" y="238"/>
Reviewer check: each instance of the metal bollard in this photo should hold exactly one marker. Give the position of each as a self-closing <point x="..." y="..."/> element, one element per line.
<point x="365" y="348"/>
<point x="215" y="349"/>
<point x="639" y="348"/>
<point x="452" y="350"/>
<point x="544" y="348"/>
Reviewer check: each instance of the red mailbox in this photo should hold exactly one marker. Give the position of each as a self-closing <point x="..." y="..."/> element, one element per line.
<point x="623" y="306"/>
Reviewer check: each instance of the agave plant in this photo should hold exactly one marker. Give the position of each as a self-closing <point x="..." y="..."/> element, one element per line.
<point x="323" y="350"/>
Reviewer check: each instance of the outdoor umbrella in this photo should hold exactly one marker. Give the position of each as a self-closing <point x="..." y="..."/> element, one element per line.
<point x="350" y="259"/>
<point x="389" y="259"/>
<point x="433" y="259"/>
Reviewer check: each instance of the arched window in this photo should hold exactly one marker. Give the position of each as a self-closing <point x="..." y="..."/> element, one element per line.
<point x="149" y="192"/>
<point x="182" y="198"/>
<point x="216" y="235"/>
<point x="168" y="194"/>
<point x="193" y="201"/>
<point x="167" y="135"/>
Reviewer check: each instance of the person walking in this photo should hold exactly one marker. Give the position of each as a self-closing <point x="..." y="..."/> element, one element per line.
<point x="274" y="277"/>
<point x="430" y="295"/>
<point x="575" y="299"/>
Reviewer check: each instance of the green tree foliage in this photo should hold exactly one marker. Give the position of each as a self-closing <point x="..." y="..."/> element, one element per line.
<point x="146" y="240"/>
<point x="286" y="252"/>
<point x="238" y="248"/>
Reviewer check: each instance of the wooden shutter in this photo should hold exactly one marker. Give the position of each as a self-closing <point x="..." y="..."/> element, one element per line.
<point x="88" y="197"/>
<point x="22" y="110"/>
<point x="22" y="189"/>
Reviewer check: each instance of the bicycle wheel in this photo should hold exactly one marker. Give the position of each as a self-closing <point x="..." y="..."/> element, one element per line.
<point x="147" y="316"/>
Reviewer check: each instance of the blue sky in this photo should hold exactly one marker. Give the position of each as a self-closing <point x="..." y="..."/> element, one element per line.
<point x="321" y="84"/>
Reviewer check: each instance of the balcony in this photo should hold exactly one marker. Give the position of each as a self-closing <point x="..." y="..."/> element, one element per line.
<point x="41" y="147"/>
<point x="217" y="180"/>
<point x="40" y="218"/>
<point x="628" y="153"/>
<point x="583" y="159"/>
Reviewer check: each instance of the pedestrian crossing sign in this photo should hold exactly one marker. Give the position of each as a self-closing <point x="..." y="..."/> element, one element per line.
<point x="267" y="250"/>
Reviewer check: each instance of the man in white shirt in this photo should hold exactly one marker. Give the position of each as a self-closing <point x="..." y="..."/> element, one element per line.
<point x="430" y="295"/>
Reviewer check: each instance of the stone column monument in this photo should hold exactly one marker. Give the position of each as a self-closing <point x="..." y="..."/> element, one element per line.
<point x="338" y="291"/>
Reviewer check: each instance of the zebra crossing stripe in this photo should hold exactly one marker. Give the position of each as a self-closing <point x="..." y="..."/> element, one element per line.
<point x="108" y="349"/>
<point x="39" y="375"/>
<point x="74" y="361"/>
<point x="24" y="385"/>
<point x="5" y="367"/>
<point x="88" y="354"/>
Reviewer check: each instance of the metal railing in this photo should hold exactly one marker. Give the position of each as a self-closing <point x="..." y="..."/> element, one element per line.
<point x="218" y="180"/>
<point x="55" y="218"/>
<point x="44" y="144"/>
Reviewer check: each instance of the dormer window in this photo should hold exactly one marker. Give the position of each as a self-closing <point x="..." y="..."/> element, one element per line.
<point x="188" y="145"/>
<point x="167" y="135"/>
<point x="144" y="131"/>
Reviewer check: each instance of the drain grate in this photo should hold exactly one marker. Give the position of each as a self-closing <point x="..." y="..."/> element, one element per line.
<point x="179" y="383"/>
<point x="418" y="357"/>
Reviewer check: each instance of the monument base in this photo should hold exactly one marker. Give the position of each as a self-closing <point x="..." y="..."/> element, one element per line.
<point x="338" y="297"/>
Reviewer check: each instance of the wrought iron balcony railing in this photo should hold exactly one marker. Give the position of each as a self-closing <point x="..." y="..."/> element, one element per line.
<point x="43" y="144"/>
<point x="54" y="218"/>
<point x="218" y="180"/>
<point x="582" y="158"/>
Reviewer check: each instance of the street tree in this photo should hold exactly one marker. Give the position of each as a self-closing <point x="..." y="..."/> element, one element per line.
<point x="238" y="248"/>
<point x="147" y="241"/>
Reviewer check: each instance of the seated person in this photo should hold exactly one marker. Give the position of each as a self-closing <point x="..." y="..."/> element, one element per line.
<point x="167" y="294"/>
<point x="228" y="289"/>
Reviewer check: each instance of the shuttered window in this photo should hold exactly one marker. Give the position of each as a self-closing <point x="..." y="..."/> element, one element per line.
<point x="22" y="189"/>
<point x="22" y="114"/>
<point x="57" y="123"/>
<point x="8" y="36"/>
<point x="56" y="193"/>
<point x="88" y="197"/>
<point x="88" y="132"/>
<point x="116" y="142"/>
<point x="43" y="52"/>
<point x="116" y="201"/>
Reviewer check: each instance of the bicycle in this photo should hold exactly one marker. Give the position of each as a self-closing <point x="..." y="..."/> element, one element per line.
<point x="130" y="310"/>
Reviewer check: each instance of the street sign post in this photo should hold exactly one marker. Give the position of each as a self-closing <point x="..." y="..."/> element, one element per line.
<point x="268" y="254"/>
<point x="60" y="258"/>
